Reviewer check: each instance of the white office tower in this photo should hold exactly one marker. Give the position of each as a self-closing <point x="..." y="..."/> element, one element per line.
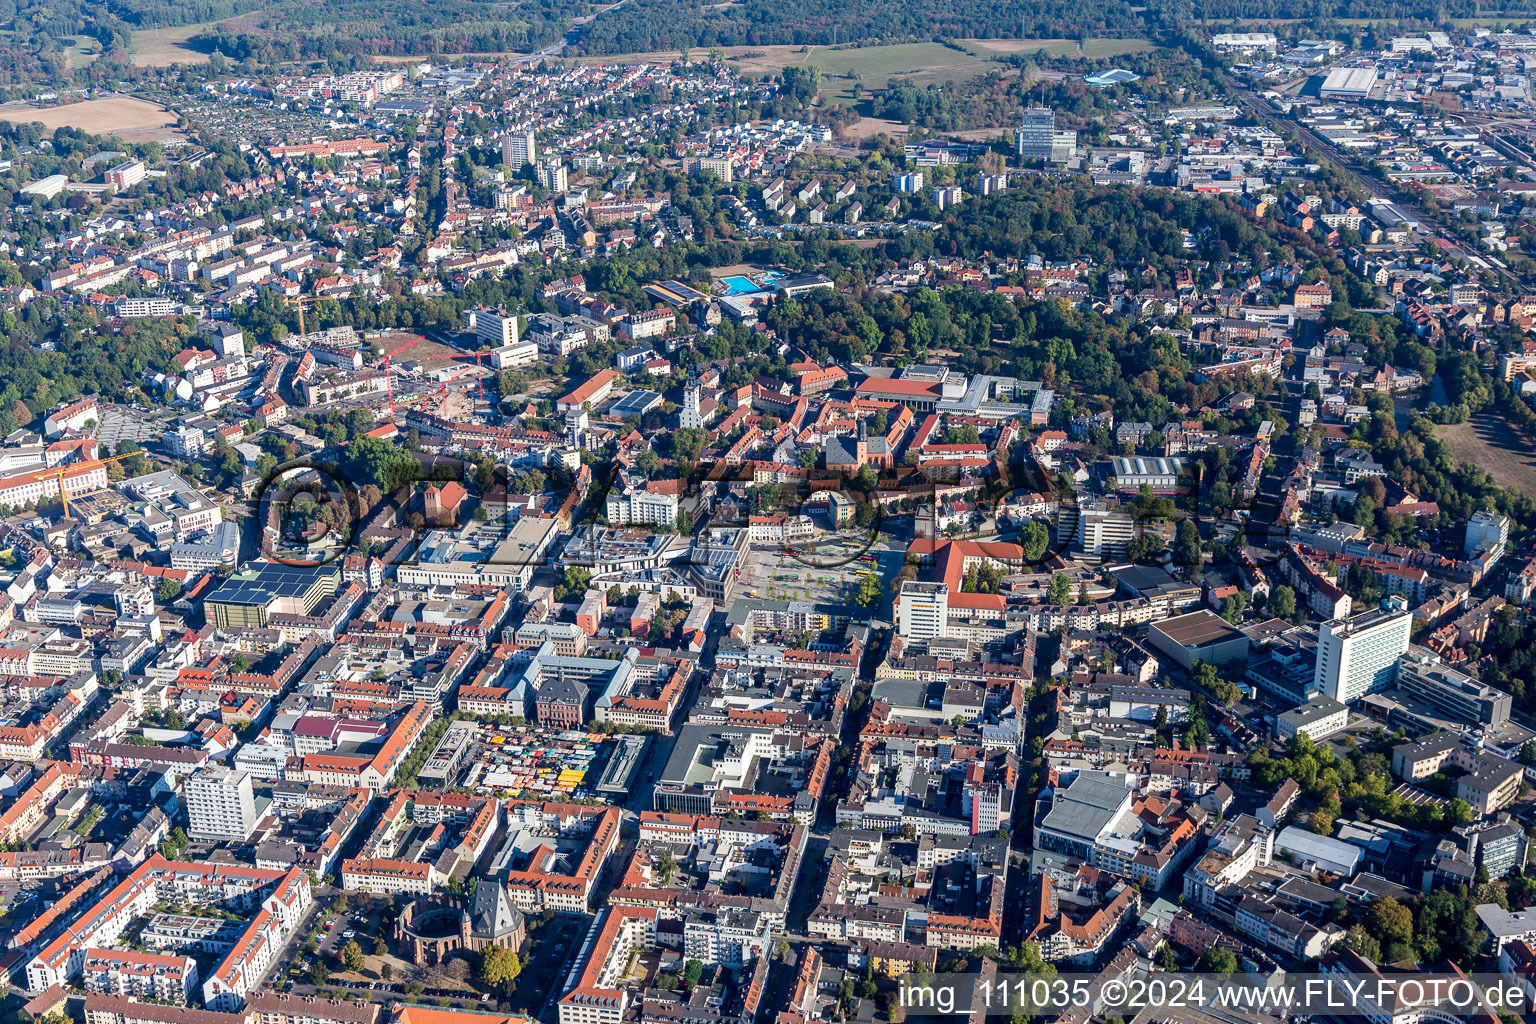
<point x="1102" y="532"/>
<point x="220" y="805"/>
<point x="518" y="148"/>
<point x="922" y="611"/>
<point x="495" y="326"/>
<point x="1037" y="133"/>
<point x="1358" y="655"/>
<point x="1486" y="531"/>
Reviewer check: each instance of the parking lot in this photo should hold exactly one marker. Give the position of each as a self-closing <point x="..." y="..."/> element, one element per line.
<point x="119" y="423"/>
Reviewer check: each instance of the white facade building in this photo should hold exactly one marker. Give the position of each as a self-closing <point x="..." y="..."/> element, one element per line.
<point x="495" y="326"/>
<point x="1358" y="655"/>
<point x="220" y="805"/>
<point x="922" y="611"/>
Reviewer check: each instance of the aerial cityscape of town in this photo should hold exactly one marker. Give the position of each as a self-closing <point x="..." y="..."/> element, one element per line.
<point x="533" y="513"/>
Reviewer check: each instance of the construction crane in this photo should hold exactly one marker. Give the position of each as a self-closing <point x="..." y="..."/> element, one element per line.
<point x="59" y="472"/>
<point x="479" y="378"/>
<point x="389" y="380"/>
<point x="300" y="301"/>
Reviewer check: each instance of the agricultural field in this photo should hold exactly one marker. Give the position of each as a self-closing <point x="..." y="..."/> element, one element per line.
<point x="132" y="119"/>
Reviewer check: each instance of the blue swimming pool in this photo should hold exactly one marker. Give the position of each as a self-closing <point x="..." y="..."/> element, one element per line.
<point x="741" y="285"/>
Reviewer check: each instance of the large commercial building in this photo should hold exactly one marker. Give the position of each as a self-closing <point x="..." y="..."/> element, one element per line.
<point x="1037" y="133"/>
<point x="1162" y="475"/>
<point x="251" y="597"/>
<point x="1099" y="819"/>
<point x="922" y="611"/>
<point x="1101" y="532"/>
<point x="1348" y="84"/>
<point x="1486" y="531"/>
<point x="482" y="552"/>
<point x="126" y="174"/>
<point x="1488" y="782"/>
<point x="1319" y="717"/>
<point x="220" y="805"/>
<point x="1454" y="694"/>
<point x="1359" y="655"/>
<point x="1198" y="636"/>
<point x="495" y="326"/>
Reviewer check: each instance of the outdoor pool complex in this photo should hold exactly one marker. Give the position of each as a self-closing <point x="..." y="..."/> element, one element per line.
<point x="743" y="285"/>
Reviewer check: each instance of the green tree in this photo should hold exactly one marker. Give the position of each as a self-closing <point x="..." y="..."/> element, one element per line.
<point x="1282" y="602"/>
<point x="1186" y="545"/>
<point x="693" y="972"/>
<point x="1034" y="539"/>
<point x="1217" y="960"/>
<point x="1363" y="942"/>
<point x="352" y="956"/>
<point x="500" y="967"/>
<point x="869" y="592"/>
<point x="372" y="460"/>
<point x="1060" y="590"/>
<point x="1389" y="921"/>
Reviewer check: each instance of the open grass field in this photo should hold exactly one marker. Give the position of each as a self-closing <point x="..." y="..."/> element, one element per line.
<point x="873" y="67"/>
<point x="1058" y="47"/>
<point x="921" y="63"/>
<point x="82" y="54"/>
<point x="135" y="120"/>
<point x="1489" y="442"/>
<point x="161" y="47"/>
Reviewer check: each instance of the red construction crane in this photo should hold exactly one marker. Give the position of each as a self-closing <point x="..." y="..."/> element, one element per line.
<point x="389" y="380"/>
<point x="479" y="379"/>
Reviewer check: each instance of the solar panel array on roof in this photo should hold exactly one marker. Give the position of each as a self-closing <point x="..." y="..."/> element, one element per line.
<point x="268" y="581"/>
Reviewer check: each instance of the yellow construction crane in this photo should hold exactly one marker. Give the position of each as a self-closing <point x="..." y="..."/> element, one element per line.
<point x="300" y="301"/>
<point x="75" y="466"/>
